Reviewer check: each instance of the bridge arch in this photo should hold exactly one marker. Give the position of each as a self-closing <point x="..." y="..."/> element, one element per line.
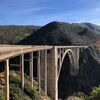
<point x="72" y="61"/>
<point x="67" y="68"/>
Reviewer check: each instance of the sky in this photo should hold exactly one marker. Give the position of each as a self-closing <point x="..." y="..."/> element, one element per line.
<point x="41" y="12"/>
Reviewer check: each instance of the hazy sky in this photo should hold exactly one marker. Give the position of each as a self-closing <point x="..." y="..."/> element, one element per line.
<point x="40" y="12"/>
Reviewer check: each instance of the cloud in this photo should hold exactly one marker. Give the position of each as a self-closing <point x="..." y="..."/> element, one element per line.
<point x="32" y="10"/>
<point x="23" y="7"/>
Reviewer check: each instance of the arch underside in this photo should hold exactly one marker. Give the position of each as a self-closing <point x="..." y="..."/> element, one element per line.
<point x="66" y="74"/>
<point x="72" y="62"/>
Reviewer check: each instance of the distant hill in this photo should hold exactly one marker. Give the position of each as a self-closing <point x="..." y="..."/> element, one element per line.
<point x="12" y="34"/>
<point x="90" y="26"/>
<point x="60" y="33"/>
<point x="54" y="33"/>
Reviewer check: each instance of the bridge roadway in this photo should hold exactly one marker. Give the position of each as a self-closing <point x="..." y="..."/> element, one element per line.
<point x="49" y="63"/>
<point x="9" y="51"/>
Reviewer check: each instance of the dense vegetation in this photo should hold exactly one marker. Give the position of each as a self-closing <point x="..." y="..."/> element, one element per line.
<point x="90" y="26"/>
<point x="28" y="93"/>
<point x="57" y="33"/>
<point x="94" y="95"/>
<point x="13" y="34"/>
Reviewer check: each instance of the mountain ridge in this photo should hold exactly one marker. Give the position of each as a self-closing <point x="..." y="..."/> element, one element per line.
<point x="61" y="33"/>
<point x="90" y="26"/>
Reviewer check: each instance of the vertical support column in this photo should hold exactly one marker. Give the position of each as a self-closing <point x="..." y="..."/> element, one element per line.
<point x="38" y="71"/>
<point x="56" y="72"/>
<point x="78" y="55"/>
<point x="45" y="71"/>
<point x="77" y="60"/>
<point x="60" y="61"/>
<point x="31" y="68"/>
<point x="22" y="69"/>
<point x="52" y="66"/>
<point x="7" y="79"/>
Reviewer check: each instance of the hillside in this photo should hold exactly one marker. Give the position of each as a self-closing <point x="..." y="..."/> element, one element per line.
<point x="59" y="33"/>
<point x="16" y="93"/>
<point x="13" y="34"/>
<point x="89" y="72"/>
<point x="90" y="26"/>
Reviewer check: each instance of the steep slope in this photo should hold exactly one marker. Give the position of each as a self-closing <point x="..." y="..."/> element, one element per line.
<point x="16" y="93"/>
<point x="90" y="26"/>
<point x="59" y="33"/>
<point x="89" y="72"/>
<point x="13" y="34"/>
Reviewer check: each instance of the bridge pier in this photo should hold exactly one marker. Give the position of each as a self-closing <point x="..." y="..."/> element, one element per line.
<point x="76" y="52"/>
<point x="38" y="71"/>
<point x="31" y="67"/>
<point x="22" y="69"/>
<point x="52" y="74"/>
<point x="45" y="55"/>
<point x="43" y="70"/>
<point x="7" y="79"/>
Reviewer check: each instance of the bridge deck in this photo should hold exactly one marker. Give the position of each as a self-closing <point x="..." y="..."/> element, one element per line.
<point x="8" y="51"/>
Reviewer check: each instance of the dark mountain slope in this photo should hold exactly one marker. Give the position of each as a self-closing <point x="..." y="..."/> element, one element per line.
<point x="90" y="26"/>
<point x="89" y="72"/>
<point x="59" y="33"/>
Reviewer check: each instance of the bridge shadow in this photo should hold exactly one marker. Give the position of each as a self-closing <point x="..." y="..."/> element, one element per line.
<point x="66" y="82"/>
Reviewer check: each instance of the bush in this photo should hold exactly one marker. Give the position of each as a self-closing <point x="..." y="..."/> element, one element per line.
<point x="2" y="95"/>
<point x="32" y="92"/>
<point x="14" y="80"/>
<point x="28" y="90"/>
<point x="16" y="93"/>
<point x="95" y="94"/>
<point x="80" y="95"/>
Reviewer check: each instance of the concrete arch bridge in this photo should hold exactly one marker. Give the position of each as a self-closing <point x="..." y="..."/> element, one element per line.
<point x="49" y="60"/>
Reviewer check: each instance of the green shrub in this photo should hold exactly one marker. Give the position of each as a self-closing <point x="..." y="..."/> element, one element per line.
<point x="80" y="95"/>
<point x="32" y="92"/>
<point x="14" y="80"/>
<point x="95" y="94"/>
<point x="28" y="89"/>
<point x="16" y="93"/>
<point x="2" y="95"/>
